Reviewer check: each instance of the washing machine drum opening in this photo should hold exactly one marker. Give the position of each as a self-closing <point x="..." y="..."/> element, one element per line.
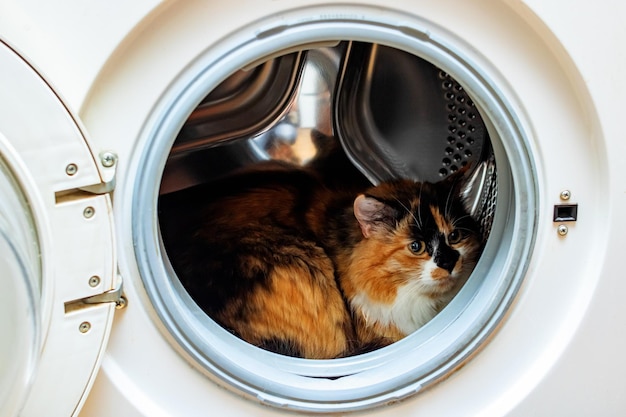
<point x="284" y="180"/>
<point x="245" y="239"/>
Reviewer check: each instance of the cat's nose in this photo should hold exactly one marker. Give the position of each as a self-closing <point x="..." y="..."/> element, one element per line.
<point x="446" y="259"/>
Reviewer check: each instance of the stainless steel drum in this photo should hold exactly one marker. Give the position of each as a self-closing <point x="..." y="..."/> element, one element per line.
<point x="393" y="113"/>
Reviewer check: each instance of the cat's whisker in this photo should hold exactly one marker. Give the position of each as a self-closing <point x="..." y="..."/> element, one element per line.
<point x="465" y="229"/>
<point x="419" y="212"/>
<point x="458" y="219"/>
<point x="409" y="212"/>
<point x="448" y="205"/>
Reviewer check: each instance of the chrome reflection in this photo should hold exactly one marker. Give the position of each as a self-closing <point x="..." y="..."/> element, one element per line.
<point x="394" y="114"/>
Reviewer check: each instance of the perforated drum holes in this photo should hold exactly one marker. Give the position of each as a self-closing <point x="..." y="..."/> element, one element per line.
<point x="405" y="116"/>
<point x="465" y="126"/>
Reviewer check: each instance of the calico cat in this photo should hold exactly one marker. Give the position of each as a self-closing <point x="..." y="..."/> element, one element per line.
<point x="295" y="266"/>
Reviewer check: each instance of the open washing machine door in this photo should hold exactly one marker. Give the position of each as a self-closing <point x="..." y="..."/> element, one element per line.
<point x="57" y="263"/>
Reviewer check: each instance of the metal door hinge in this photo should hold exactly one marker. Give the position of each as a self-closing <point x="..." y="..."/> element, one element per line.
<point x="115" y="295"/>
<point x="108" y="167"/>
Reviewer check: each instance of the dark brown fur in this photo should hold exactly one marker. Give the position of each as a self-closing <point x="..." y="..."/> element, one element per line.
<point x="293" y="264"/>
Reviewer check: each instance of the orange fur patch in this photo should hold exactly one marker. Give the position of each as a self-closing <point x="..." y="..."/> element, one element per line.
<point x="439" y="273"/>
<point x="442" y="224"/>
<point x="381" y="264"/>
<point x="302" y="306"/>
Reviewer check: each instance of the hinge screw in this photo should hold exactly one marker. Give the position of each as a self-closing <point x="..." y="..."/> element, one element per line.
<point x="89" y="212"/>
<point x="121" y="303"/>
<point x="565" y="194"/>
<point x="84" y="327"/>
<point x="94" y="281"/>
<point x="71" y="169"/>
<point x="108" y="159"/>
<point x="562" y="230"/>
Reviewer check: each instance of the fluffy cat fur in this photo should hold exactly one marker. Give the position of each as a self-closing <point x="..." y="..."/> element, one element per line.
<point x="292" y="263"/>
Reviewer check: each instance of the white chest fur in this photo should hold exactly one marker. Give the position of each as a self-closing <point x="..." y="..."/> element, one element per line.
<point x="409" y="311"/>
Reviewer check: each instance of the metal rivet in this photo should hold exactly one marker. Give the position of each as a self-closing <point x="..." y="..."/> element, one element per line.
<point x="562" y="230"/>
<point x="565" y="195"/>
<point x="108" y="159"/>
<point x="84" y="327"/>
<point x="71" y="169"/>
<point x="94" y="281"/>
<point x="89" y="212"/>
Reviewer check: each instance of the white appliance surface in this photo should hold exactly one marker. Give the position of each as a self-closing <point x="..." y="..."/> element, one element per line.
<point x="113" y="69"/>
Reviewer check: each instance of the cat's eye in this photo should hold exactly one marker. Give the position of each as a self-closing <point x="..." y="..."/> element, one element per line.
<point x="455" y="237"/>
<point x="417" y="247"/>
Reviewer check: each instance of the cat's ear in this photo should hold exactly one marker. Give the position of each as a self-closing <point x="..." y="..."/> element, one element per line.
<point x="458" y="179"/>
<point x="373" y="215"/>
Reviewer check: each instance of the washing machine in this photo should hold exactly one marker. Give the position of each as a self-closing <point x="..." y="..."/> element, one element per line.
<point x="106" y="107"/>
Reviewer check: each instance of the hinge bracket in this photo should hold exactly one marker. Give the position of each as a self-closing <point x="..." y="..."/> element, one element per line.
<point x="108" y="167"/>
<point x="115" y="295"/>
